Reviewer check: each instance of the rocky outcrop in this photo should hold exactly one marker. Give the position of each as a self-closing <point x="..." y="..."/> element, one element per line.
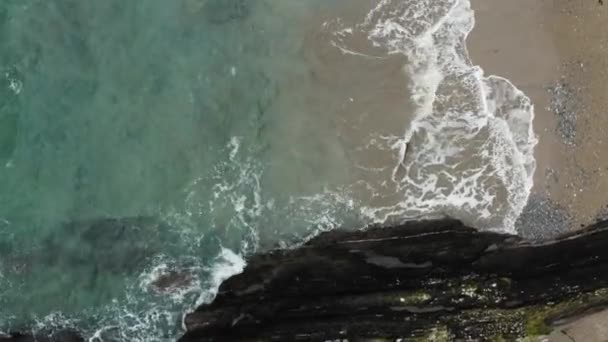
<point x="435" y="280"/>
<point x="430" y="280"/>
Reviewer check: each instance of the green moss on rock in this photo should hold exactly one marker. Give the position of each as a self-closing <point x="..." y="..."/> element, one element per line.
<point x="536" y="324"/>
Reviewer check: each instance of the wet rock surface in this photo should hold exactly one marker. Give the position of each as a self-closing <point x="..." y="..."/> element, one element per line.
<point x="425" y="280"/>
<point x="428" y="280"/>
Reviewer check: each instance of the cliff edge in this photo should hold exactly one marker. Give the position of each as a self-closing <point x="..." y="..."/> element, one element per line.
<point x="429" y="280"/>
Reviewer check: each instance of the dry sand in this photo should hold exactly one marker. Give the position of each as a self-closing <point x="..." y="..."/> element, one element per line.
<point x="556" y="51"/>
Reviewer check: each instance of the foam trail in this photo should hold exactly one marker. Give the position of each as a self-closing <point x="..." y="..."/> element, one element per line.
<point x="468" y="151"/>
<point x="225" y="266"/>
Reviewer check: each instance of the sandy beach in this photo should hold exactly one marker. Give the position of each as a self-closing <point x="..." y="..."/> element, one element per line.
<point x="557" y="53"/>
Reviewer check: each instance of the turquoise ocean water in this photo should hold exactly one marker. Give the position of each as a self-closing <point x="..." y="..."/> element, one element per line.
<point x="148" y="109"/>
<point x="149" y="140"/>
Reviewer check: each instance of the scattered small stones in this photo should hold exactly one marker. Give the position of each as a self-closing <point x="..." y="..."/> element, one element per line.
<point x="543" y="219"/>
<point x="564" y="105"/>
<point x="602" y="214"/>
<point x="552" y="174"/>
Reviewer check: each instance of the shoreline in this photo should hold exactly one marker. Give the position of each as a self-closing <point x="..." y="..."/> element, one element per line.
<point x="551" y="54"/>
<point x="395" y="283"/>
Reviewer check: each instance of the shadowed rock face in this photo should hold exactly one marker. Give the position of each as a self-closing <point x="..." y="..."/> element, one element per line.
<point x="435" y="279"/>
<point x="429" y="280"/>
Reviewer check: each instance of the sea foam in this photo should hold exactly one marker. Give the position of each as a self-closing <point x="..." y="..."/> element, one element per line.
<point x="467" y="153"/>
<point x="468" y="150"/>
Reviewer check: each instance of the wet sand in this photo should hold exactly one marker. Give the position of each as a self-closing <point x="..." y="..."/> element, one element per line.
<point x="351" y="95"/>
<point x="556" y="51"/>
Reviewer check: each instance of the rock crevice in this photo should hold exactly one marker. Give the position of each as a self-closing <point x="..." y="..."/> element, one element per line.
<point x="425" y="279"/>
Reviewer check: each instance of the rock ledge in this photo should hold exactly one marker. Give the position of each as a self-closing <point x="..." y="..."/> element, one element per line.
<point x="429" y="280"/>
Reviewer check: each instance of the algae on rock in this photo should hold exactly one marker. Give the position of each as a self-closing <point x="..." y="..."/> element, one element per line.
<point x="452" y="283"/>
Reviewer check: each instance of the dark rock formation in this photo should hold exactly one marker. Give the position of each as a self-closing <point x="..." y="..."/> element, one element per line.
<point x="61" y="336"/>
<point x="171" y="281"/>
<point x="437" y="281"/>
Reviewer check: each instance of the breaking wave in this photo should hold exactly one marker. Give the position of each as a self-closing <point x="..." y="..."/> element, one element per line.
<point x="465" y="151"/>
<point x="468" y="150"/>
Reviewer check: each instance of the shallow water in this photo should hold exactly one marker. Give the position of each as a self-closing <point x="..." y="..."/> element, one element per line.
<point x="222" y="127"/>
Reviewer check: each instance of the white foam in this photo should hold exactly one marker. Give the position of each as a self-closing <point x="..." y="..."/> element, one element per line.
<point x="53" y="321"/>
<point x="226" y="264"/>
<point x="234" y="145"/>
<point x="148" y="325"/>
<point x="468" y="152"/>
<point x="176" y="293"/>
<point x="14" y="84"/>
